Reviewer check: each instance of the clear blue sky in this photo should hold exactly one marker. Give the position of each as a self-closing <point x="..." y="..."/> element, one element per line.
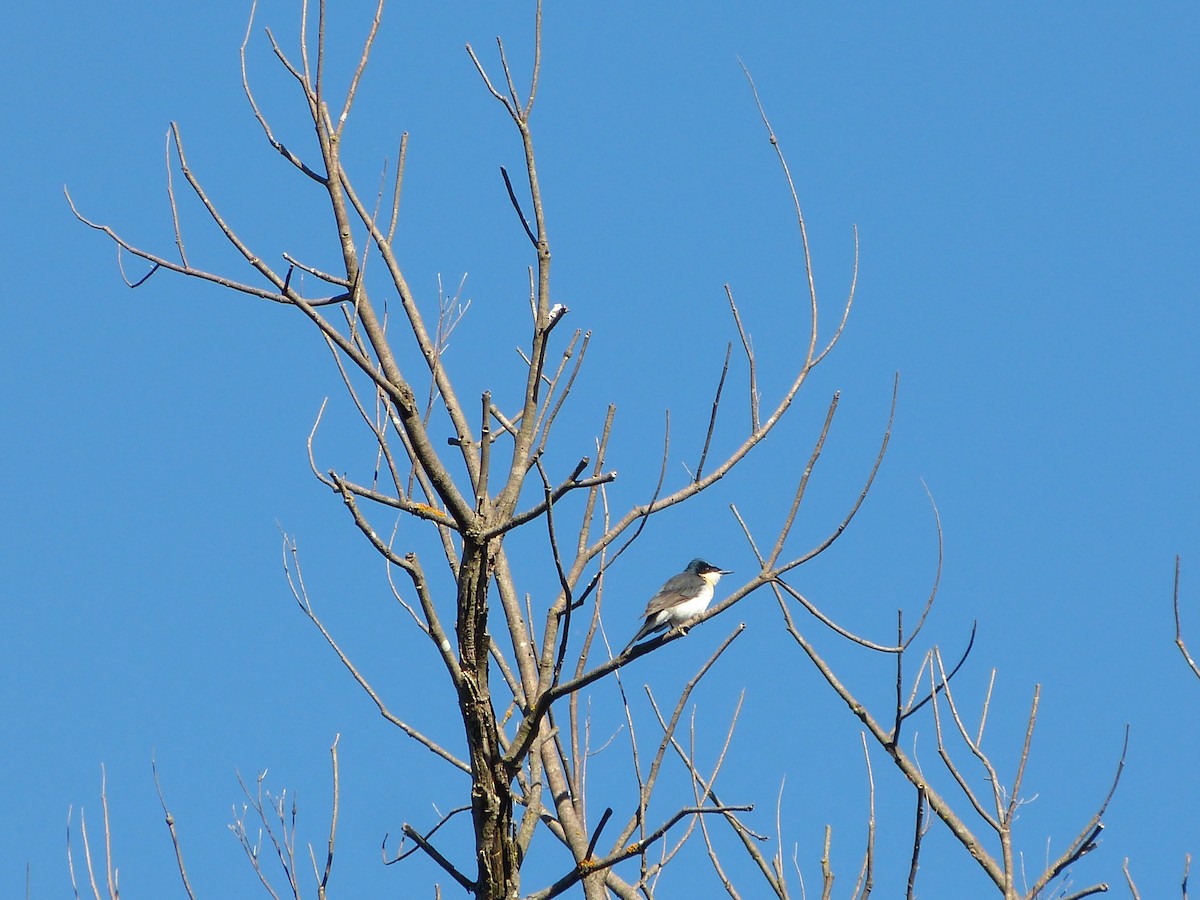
<point x="1025" y="183"/>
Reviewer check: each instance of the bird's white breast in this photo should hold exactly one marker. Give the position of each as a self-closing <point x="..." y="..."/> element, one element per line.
<point x="680" y="613"/>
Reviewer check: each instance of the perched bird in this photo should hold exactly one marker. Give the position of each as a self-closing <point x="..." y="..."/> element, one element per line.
<point x="680" y="599"/>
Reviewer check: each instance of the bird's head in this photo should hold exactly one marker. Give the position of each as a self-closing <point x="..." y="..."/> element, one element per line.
<point x="707" y="571"/>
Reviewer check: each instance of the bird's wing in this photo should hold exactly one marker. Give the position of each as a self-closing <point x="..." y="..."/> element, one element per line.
<point x="674" y="592"/>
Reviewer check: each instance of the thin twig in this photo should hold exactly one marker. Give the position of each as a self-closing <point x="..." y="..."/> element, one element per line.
<point x="1179" y="642"/>
<point x="300" y="593"/>
<point x="634" y="849"/>
<point x="333" y="818"/>
<point x="438" y="858"/>
<point x="512" y="196"/>
<point x="712" y="418"/>
<point x="918" y="836"/>
<point x="170" y="819"/>
<point x="1129" y="880"/>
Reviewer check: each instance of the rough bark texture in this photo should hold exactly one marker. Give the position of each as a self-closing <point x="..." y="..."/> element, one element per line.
<point x="491" y="795"/>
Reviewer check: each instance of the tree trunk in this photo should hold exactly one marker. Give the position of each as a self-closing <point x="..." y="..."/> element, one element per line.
<point x="491" y="795"/>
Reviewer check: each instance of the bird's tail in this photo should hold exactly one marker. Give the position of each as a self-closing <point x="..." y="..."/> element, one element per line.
<point x="647" y="628"/>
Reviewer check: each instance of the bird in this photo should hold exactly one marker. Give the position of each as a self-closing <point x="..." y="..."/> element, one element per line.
<point x="683" y="597"/>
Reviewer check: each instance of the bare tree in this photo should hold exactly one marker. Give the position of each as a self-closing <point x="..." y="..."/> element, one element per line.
<point x="527" y="748"/>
